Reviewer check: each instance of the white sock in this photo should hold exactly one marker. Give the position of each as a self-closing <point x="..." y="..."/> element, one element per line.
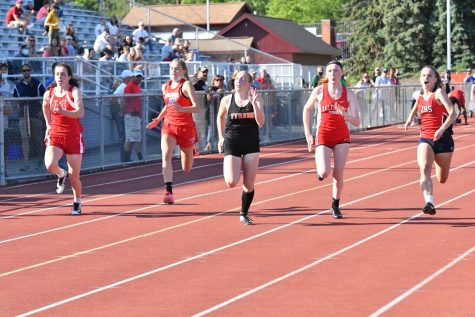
<point x="430" y="199"/>
<point x="62" y="173"/>
<point x="77" y="200"/>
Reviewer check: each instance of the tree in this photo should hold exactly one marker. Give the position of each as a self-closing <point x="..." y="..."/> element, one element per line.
<point x="305" y="11"/>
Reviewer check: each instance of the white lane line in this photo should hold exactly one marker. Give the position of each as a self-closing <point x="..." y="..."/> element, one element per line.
<point x="339" y="252"/>
<point x="133" y="278"/>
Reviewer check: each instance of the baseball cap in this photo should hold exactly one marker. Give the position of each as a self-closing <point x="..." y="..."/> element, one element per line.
<point x="138" y="72"/>
<point x="385" y="70"/>
<point x="203" y="68"/>
<point x="126" y="73"/>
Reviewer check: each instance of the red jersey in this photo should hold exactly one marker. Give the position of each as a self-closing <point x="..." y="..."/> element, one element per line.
<point x="13" y="11"/>
<point x="331" y="126"/>
<point x="459" y="95"/>
<point x="432" y="115"/>
<point x="175" y="95"/>
<point x="61" y="125"/>
<point x="133" y="103"/>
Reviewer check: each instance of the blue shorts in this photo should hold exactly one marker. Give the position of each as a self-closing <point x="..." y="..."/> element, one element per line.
<point x="443" y="145"/>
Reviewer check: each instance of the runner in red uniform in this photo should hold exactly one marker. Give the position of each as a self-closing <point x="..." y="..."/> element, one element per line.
<point x="63" y="109"/>
<point x="436" y="143"/>
<point x="457" y="97"/>
<point x="336" y="106"/>
<point x="178" y="127"/>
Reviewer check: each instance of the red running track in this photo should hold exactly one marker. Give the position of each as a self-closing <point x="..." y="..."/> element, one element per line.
<point x="129" y="255"/>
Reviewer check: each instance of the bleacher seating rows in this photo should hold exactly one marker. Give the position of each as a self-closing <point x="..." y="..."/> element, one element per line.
<point x="84" y="22"/>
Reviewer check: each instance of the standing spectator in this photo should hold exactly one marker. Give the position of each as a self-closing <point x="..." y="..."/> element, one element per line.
<point x="30" y="114"/>
<point x="199" y="79"/>
<point x="393" y="76"/>
<point x="382" y="96"/>
<point x="270" y="100"/>
<point x="231" y="80"/>
<point x="117" y="110"/>
<point x="16" y="17"/>
<point x="100" y="27"/>
<point x="214" y="95"/>
<point x="141" y="33"/>
<point x="255" y="83"/>
<point x="5" y="86"/>
<point x="471" y="79"/>
<point x="52" y="22"/>
<point x="262" y="74"/>
<point x="377" y="73"/>
<point x="317" y="77"/>
<point x="446" y="80"/>
<point x="365" y="82"/>
<point x="132" y="116"/>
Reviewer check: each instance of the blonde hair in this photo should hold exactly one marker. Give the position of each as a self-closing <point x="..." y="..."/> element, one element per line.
<point x="183" y="66"/>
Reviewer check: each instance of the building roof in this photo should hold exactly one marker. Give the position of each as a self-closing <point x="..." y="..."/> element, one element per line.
<point x="290" y="32"/>
<point x="220" y="13"/>
<point x="222" y="45"/>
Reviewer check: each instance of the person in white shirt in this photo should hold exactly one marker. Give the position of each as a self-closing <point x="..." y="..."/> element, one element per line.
<point x="140" y="32"/>
<point x="102" y="41"/>
<point x="117" y="109"/>
<point x="100" y="27"/>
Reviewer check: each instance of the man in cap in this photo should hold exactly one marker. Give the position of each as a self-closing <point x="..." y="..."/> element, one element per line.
<point x="132" y="116"/>
<point x="16" y="18"/>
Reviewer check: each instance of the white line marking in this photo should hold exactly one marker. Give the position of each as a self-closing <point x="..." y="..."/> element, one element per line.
<point x="133" y="278"/>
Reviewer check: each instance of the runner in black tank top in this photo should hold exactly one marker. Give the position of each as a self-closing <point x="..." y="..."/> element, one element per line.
<point x="239" y="118"/>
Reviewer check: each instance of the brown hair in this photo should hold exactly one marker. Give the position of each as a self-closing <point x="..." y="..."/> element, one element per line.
<point x="438" y="83"/>
<point x="72" y="81"/>
<point x="183" y="66"/>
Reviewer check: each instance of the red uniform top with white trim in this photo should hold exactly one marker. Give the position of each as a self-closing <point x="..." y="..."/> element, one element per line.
<point x="459" y="95"/>
<point x="61" y="125"/>
<point x="432" y="115"/>
<point x="329" y="120"/>
<point x="175" y="95"/>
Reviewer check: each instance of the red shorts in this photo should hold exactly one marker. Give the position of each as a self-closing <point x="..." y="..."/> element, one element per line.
<point x="331" y="140"/>
<point x="69" y="145"/>
<point x="185" y="135"/>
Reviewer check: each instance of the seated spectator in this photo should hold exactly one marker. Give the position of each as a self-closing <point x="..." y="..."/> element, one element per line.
<point x="167" y="54"/>
<point x="107" y="55"/>
<point x="28" y="48"/>
<point x="69" y="45"/>
<point x="140" y="32"/>
<point x="124" y="55"/>
<point x="16" y="17"/>
<point x="131" y="57"/>
<point x="102" y="41"/>
<point x="52" y="49"/>
<point x="72" y="33"/>
<point x="113" y="26"/>
<point x="128" y="41"/>
<point x="64" y="49"/>
<point x="176" y="33"/>
<point x="100" y="27"/>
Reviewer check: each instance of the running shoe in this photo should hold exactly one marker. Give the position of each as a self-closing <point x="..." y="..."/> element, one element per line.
<point x="168" y="199"/>
<point x="61" y="182"/>
<point x="244" y="218"/>
<point x="336" y="213"/>
<point x="76" y="209"/>
<point x="320" y="178"/>
<point x="429" y="209"/>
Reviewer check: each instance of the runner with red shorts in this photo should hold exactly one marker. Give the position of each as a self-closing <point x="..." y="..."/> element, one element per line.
<point x="435" y="143"/>
<point x="336" y="106"/>
<point x="178" y="127"/>
<point x="457" y="97"/>
<point x="63" y="109"/>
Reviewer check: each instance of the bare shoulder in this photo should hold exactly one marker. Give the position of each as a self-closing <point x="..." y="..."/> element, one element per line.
<point x="416" y="94"/>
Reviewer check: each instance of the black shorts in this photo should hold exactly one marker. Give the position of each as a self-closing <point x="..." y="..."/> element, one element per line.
<point x="443" y="145"/>
<point x="240" y="148"/>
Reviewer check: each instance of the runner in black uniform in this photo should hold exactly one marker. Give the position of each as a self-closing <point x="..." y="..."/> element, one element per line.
<point x="243" y="112"/>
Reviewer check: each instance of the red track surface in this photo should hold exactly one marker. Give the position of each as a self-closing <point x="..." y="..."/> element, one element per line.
<point x="129" y="255"/>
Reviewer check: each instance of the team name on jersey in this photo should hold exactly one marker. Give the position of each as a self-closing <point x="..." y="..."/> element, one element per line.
<point x="61" y="103"/>
<point x="426" y="109"/>
<point x="245" y="115"/>
<point x="330" y="108"/>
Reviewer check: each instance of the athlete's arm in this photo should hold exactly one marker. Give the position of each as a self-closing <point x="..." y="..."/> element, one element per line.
<point x="307" y="109"/>
<point x="46" y="111"/>
<point x="441" y="97"/>
<point x="162" y="114"/>
<point x="78" y="111"/>
<point x="258" y="104"/>
<point x="189" y="92"/>
<point x="221" y="119"/>
<point x="353" y="113"/>
<point x="413" y="111"/>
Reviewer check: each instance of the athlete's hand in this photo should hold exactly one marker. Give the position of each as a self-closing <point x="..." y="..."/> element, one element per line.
<point x="220" y="145"/>
<point x="438" y="134"/>
<point x="407" y="124"/>
<point x="153" y="123"/>
<point x="58" y="109"/>
<point x="310" y="142"/>
<point x="253" y="95"/>
<point x="341" y="111"/>
<point x="46" y="133"/>
<point x="177" y="107"/>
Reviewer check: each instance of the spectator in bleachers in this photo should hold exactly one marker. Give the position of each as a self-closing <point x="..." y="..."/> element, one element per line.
<point x="69" y="45"/>
<point x="90" y="54"/>
<point x="16" y="17"/>
<point x="30" y="116"/>
<point x="70" y="31"/>
<point x="185" y="51"/>
<point x="128" y="41"/>
<point x="52" y="49"/>
<point x="176" y="33"/>
<point x="132" y="116"/>
<point x="262" y="74"/>
<point x="5" y="85"/>
<point x="141" y="32"/>
<point x="131" y="57"/>
<point x="28" y="48"/>
<point x="59" y="4"/>
<point x="113" y="26"/>
<point x="64" y="49"/>
<point x="52" y="22"/>
<point x="167" y="54"/>
<point x="42" y="14"/>
<point x="100" y="27"/>
<point x="255" y="83"/>
<point x="102" y="41"/>
<point x="124" y="55"/>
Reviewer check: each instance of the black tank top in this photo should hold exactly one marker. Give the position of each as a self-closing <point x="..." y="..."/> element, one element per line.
<point x="241" y="123"/>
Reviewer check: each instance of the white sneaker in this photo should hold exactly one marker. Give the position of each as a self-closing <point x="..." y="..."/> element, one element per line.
<point x="60" y="184"/>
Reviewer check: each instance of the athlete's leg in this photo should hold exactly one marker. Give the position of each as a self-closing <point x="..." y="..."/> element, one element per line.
<point x="425" y="159"/>
<point x="232" y="170"/>
<point x="322" y="160"/>
<point x="74" y="170"/>
<point x="340" y="154"/>
<point x="250" y="163"/>
<point x="52" y="156"/>
<point x="168" y="145"/>
<point x="442" y="166"/>
<point x="187" y="158"/>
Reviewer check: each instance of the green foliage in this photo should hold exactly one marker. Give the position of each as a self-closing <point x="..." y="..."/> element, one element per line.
<point x="305" y="11"/>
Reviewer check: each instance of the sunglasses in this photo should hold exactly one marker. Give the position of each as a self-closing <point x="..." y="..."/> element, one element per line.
<point x="217" y="79"/>
<point x="26" y="70"/>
